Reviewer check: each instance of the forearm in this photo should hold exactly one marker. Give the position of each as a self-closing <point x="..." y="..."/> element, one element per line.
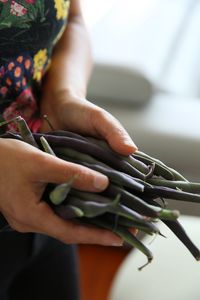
<point x="71" y="61"/>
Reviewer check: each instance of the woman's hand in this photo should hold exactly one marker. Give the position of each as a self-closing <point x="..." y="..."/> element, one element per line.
<point x="25" y="171"/>
<point x="63" y="98"/>
<point x="79" y="115"/>
<point x="65" y="85"/>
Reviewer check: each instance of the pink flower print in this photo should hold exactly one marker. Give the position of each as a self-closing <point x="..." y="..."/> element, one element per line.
<point x="3" y="91"/>
<point x="26" y="103"/>
<point x="25" y="106"/>
<point x="34" y="124"/>
<point x="3" y="1"/>
<point x="17" y="9"/>
<point x="30" y="1"/>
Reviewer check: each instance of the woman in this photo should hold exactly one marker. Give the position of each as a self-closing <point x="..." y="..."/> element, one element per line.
<point x="45" y="64"/>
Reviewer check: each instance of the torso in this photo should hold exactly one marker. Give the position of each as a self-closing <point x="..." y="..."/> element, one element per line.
<point x="29" y="29"/>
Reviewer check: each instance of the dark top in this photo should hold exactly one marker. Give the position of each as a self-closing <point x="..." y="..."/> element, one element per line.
<point x="29" y="29"/>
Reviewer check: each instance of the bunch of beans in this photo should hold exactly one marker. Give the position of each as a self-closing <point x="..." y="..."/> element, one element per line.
<point x="135" y="196"/>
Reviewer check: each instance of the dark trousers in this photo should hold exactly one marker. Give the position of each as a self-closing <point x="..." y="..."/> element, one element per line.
<point x="37" y="267"/>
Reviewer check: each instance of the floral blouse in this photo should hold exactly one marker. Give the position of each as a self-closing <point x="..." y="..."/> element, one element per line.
<point x="29" y="29"/>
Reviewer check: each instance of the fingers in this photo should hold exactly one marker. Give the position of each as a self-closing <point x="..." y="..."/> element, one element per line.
<point x="110" y="128"/>
<point x="55" y="170"/>
<point x="68" y="232"/>
<point x="39" y="217"/>
<point x="38" y="166"/>
<point x="82" y="116"/>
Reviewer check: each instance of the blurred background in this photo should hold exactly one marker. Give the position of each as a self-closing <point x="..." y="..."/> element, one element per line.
<point x="147" y="74"/>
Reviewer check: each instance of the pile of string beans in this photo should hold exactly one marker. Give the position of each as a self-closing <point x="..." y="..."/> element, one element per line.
<point x="136" y="183"/>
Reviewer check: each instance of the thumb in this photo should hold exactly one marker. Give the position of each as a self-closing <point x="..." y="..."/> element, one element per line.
<point x="112" y="130"/>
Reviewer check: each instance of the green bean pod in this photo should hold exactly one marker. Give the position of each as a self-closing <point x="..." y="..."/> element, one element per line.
<point x="126" y="236"/>
<point x="190" y="187"/>
<point x="59" y="194"/>
<point x="159" y="170"/>
<point x="117" y="177"/>
<point x="130" y="159"/>
<point x="92" y="208"/>
<point x="176" y="175"/>
<point x="169" y="193"/>
<point x="67" y="212"/>
<point x="148" y="227"/>
<point x="24" y="130"/>
<point x="47" y="148"/>
<point x="118" y="208"/>
<point x="83" y="146"/>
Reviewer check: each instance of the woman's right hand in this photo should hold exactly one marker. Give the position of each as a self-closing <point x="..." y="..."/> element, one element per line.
<point x="25" y="172"/>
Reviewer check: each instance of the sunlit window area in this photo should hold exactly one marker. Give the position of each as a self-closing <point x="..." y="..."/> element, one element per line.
<point x="157" y="40"/>
<point x="94" y="10"/>
<point x="146" y="55"/>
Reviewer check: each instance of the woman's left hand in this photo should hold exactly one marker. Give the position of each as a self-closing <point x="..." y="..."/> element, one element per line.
<point x="81" y="116"/>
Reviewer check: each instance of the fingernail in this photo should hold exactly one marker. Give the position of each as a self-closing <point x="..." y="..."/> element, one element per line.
<point x="100" y="182"/>
<point x="117" y="244"/>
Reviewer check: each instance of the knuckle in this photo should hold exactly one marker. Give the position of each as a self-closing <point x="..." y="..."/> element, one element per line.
<point x="96" y="114"/>
<point x="34" y="159"/>
<point x="99" y="113"/>
<point x="67" y="241"/>
<point x="37" y="157"/>
<point x="120" y="131"/>
<point x="20" y="216"/>
<point x="80" y="173"/>
<point x="85" y="175"/>
<point x="23" y="218"/>
<point x="71" y="239"/>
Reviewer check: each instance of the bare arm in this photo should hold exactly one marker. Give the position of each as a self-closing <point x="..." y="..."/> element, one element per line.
<point x="72" y="57"/>
<point x="65" y="86"/>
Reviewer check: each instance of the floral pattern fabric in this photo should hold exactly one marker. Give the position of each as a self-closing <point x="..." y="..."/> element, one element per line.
<point x="29" y="29"/>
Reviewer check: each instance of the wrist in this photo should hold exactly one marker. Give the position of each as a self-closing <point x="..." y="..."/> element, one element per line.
<point x="61" y="106"/>
<point x="56" y="89"/>
<point x="69" y="83"/>
<point x="70" y="94"/>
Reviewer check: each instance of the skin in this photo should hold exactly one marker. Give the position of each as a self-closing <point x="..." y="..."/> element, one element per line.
<point x="64" y="101"/>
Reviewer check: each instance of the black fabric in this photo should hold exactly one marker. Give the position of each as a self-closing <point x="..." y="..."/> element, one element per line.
<point x="3" y="223"/>
<point x="27" y="26"/>
<point x="37" y="267"/>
